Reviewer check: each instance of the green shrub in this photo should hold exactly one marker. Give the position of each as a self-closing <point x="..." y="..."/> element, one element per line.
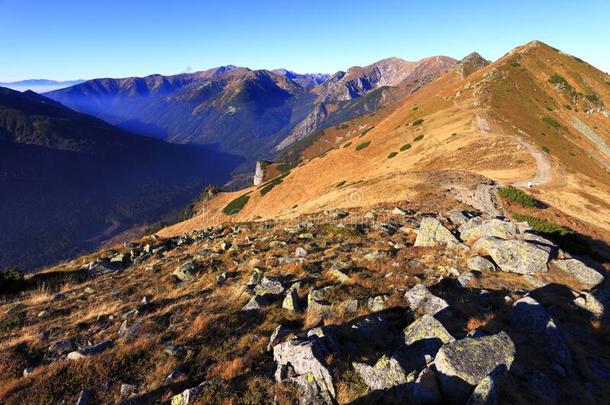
<point x="363" y="145"/>
<point x="556" y="79"/>
<point x="392" y="154"/>
<point x="551" y="122"/>
<point x="405" y="147"/>
<point x="418" y="138"/>
<point x="11" y="280"/>
<point x="594" y="98"/>
<point x="12" y="323"/>
<point x="418" y="121"/>
<point x="415" y="108"/>
<point x="514" y="194"/>
<point x="268" y="186"/>
<point x="236" y="205"/>
<point x="340" y="184"/>
<point x="347" y="145"/>
<point x="543" y="226"/>
<point x="546" y="149"/>
<point x="366" y="131"/>
<point x="578" y="59"/>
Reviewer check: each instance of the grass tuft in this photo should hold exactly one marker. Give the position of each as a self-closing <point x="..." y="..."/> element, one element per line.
<point x="392" y="154"/>
<point x="418" y="121"/>
<point x="418" y="138"/>
<point x="405" y="147"/>
<point x="363" y="145"/>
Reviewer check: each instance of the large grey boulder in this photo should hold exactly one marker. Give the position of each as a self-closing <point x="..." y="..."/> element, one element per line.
<point x="515" y="256"/>
<point x="479" y="263"/>
<point x="595" y="302"/>
<point x="585" y="275"/>
<point x="420" y="298"/>
<point x="426" y="328"/>
<point x="269" y="287"/>
<point x="486" y="392"/>
<point x="304" y="357"/>
<point x="385" y="374"/>
<point x="185" y="272"/>
<point x="477" y="228"/>
<point x="255" y="303"/>
<point x="463" y="364"/>
<point x="530" y="318"/>
<point x="317" y="299"/>
<point x="426" y="389"/>
<point x="431" y="233"/>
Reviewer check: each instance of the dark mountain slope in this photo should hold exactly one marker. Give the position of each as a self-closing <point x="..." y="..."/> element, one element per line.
<point x="69" y="181"/>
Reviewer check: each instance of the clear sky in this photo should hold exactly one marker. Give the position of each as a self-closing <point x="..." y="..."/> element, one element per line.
<point x="82" y="39"/>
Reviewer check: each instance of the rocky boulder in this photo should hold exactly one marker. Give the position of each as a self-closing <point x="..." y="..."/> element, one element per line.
<point x="426" y="328"/>
<point x="431" y="233"/>
<point x="585" y="275"/>
<point x="463" y="364"/>
<point x="420" y="298"/>
<point x="530" y="318"/>
<point x="479" y="263"/>
<point x="477" y="228"/>
<point x="185" y="272"/>
<point x="304" y="357"/>
<point x="515" y="256"/>
<point x="385" y="374"/>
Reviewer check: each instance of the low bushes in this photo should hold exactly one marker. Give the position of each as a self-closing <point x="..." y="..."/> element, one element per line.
<point x="392" y="154"/>
<point x="418" y="121"/>
<point x="236" y="205"/>
<point x="363" y="145"/>
<point x="405" y="147"/>
<point x="514" y="194"/>
<point x="418" y="138"/>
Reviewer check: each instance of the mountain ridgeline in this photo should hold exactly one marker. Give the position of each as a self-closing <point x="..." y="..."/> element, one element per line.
<point x="254" y="113"/>
<point x="69" y="181"/>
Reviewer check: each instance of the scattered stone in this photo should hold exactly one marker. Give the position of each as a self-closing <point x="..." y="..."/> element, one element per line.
<point x="477" y="228"/>
<point x="419" y="297"/>
<point x="185" y="272"/>
<point x="373" y="255"/>
<point x="255" y="303"/>
<point x="300" y="252"/>
<point x="305" y="235"/>
<point x="429" y="328"/>
<point x="62" y="347"/>
<point x="304" y="357"/>
<point x="292" y="301"/>
<point x="399" y="211"/>
<point x="188" y="396"/>
<point x="531" y="319"/>
<point x="595" y="301"/>
<point x="385" y="374"/>
<point x="27" y="371"/>
<point x="457" y="217"/>
<point x="479" y="263"/>
<point x="340" y="276"/>
<point x="276" y="336"/>
<point x="256" y="277"/>
<point x="90" y="351"/>
<point x="425" y="388"/>
<point x="174" y="375"/>
<point x="587" y="276"/>
<point x="463" y="364"/>
<point x="467" y="279"/>
<point x="377" y="303"/>
<point x="128" y="390"/>
<point x="431" y="232"/>
<point x="269" y="286"/>
<point x="317" y="299"/>
<point x="515" y="256"/>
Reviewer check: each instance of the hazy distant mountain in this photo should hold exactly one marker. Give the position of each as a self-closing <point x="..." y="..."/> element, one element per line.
<point x="249" y="112"/>
<point x="69" y="181"/>
<point x="39" y="85"/>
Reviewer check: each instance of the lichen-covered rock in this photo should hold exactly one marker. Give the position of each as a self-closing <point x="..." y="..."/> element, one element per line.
<point x="304" y="357"/>
<point x="479" y="263"/>
<point x="255" y="303"/>
<point x="587" y="276"/>
<point x="486" y="392"/>
<point x="426" y="327"/>
<point x="530" y="318"/>
<point x="317" y="299"/>
<point x="256" y="277"/>
<point x="385" y="374"/>
<point x="467" y="279"/>
<point x="377" y="303"/>
<point x="515" y="256"/>
<point x="292" y="301"/>
<point x="431" y="233"/>
<point x="477" y="228"/>
<point x="419" y="297"/>
<point x="425" y="388"/>
<point x="595" y="302"/>
<point x="463" y="364"/>
<point x="268" y="287"/>
<point x="185" y="272"/>
<point x="278" y="333"/>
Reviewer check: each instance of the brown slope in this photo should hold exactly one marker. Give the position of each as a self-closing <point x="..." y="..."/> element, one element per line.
<point x="467" y="131"/>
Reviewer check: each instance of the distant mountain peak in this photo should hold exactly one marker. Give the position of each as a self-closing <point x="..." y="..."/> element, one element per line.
<point x="471" y="63"/>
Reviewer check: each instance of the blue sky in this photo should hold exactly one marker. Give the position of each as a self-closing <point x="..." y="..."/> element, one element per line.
<point x="72" y="39"/>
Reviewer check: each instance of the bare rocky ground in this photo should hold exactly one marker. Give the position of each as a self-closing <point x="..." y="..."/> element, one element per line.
<point x="385" y="305"/>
